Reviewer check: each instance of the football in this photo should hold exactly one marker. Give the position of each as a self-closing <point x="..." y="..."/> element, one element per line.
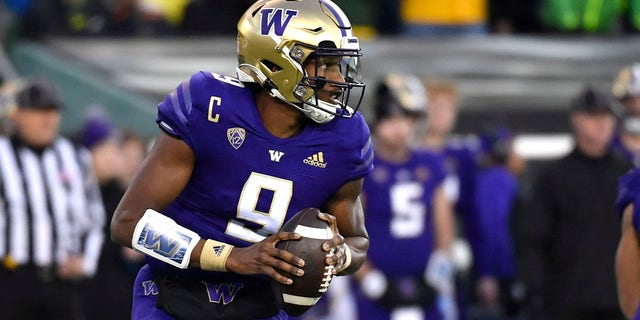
<point x="307" y="289"/>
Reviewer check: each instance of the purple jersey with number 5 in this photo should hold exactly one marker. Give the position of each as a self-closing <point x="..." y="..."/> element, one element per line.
<point x="399" y="212"/>
<point x="246" y="183"/>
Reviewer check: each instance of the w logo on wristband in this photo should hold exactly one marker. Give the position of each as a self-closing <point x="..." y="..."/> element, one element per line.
<point x="170" y="245"/>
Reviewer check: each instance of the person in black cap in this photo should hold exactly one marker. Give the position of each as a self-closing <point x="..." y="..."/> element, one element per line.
<point x="569" y="238"/>
<point x="51" y="213"/>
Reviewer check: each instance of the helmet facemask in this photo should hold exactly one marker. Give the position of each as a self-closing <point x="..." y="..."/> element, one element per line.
<point x="325" y="59"/>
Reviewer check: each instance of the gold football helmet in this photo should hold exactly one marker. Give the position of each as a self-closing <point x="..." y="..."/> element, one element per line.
<point x="627" y="82"/>
<point x="400" y="94"/>
<point x="275" y="39"/>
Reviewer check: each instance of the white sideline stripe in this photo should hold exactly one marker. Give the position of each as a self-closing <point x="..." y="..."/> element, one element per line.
<point x="314" y="233"/>
<point x="301" y="301"/>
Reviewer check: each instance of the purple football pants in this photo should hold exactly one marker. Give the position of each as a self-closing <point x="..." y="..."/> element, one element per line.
<point x="145" y="296"/>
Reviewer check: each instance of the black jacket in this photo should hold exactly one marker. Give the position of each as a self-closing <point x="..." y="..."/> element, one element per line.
<point x="569" y="236"/>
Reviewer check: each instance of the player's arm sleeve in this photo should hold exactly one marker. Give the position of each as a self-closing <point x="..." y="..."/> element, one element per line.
<point x="363" y="163"/>
<point x="94" y="237"/>
<point x="175" y="112"/>
<point x="443" y="217"/>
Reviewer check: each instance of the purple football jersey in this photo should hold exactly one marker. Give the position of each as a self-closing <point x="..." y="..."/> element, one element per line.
<point x="629" y="192"/>
<point x="246" y="183"/>
<point x="398" y="211"/>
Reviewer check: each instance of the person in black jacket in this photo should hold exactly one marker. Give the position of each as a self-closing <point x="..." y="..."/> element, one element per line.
<point x="569" y="238"/>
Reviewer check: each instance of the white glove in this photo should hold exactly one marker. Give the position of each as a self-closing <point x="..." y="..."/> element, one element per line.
<point x="440" y="275"/>
<point x="439" y="272"/>
<point x="374" y="284"/>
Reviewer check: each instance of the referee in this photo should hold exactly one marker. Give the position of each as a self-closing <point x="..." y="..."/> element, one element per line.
<point x="51" y="215"/>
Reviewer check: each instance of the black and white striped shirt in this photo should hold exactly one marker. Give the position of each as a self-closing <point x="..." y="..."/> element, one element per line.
<point x="50" y="205"/>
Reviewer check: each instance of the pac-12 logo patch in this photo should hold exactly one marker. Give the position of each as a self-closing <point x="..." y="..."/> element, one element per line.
<point x="236" y="136"/>
<point x="276" y="20"/>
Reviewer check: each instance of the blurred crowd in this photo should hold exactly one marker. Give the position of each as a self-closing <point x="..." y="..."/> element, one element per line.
<point x="370" y="17"/>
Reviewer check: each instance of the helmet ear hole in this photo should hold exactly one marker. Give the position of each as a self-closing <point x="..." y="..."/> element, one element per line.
<point x="327" y="44"/>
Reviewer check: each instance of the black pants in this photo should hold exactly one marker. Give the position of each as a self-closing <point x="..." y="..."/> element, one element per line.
<point x="30" y="293"/>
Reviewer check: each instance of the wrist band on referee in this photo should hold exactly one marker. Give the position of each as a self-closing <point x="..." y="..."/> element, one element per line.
<point x="347" y="259"/>
<point x="214" y="255"/>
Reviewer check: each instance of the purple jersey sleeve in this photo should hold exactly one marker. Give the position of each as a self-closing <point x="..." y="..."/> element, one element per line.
<point x="440" y="171"/>
<point x="174" y="113"/>
<point x="629" y="192"/>
<point x="363" y="164"/>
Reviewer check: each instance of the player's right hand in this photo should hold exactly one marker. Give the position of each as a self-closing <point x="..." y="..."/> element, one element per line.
<point x="264" y="258"/>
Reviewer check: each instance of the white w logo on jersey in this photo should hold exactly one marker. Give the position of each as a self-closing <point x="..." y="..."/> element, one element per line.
<point x="276" y="155"/>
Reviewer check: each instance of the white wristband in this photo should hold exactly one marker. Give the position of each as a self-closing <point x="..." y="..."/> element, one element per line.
<point x="347" y="258"/>
<point x="162" y="238"/>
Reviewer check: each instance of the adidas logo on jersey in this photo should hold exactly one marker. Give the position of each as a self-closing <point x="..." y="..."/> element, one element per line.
<point x="316" y="160"/>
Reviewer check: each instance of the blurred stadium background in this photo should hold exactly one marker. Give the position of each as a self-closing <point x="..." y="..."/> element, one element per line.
<point x="520" y="70"/>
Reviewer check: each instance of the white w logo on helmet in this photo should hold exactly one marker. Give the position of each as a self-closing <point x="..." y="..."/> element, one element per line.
<point x="272" y="19"/>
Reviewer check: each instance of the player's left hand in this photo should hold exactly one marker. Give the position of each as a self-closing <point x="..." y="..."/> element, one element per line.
<point x="336" y="244"/>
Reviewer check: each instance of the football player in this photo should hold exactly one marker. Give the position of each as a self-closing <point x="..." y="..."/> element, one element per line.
<point x="237" y="157"/>
<point x="409" y="269"/>
<point x="626" y="89"/>
<point x="628" y="254"/>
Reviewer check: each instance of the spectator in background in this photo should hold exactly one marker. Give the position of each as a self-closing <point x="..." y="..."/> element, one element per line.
<point x="50" y="209"/>
<point x="569" y="237"/>
<point x="406" y="210"/>
<point x="494" y="201"/>
<point x="444" y="17"/>
<point x="436" y="133"/>
<point x="628" y="254"/>
<point x="626" y="89"/>
<point x="108" y="294"/>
